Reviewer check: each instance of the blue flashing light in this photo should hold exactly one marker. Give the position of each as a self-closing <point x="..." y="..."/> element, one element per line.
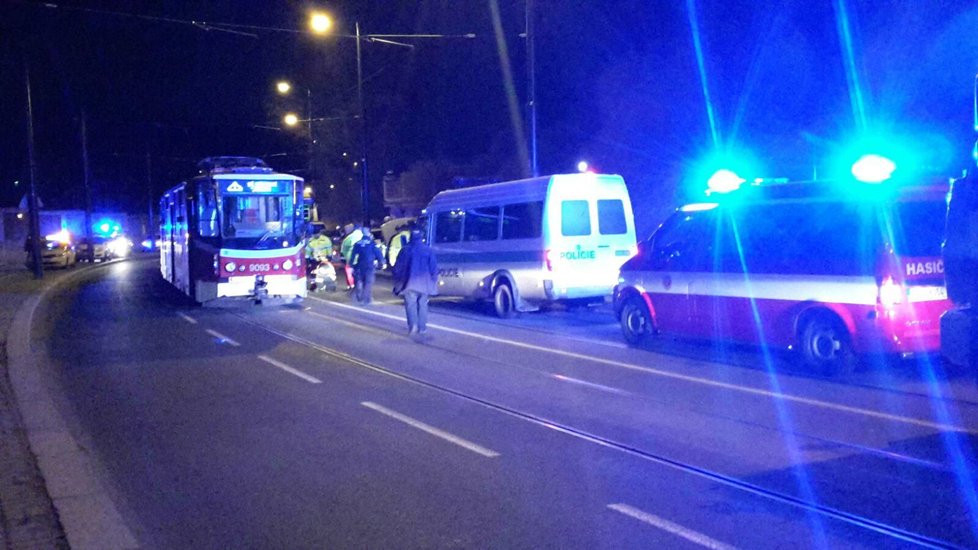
<point x="724" y="181"/>
<point x="873" y="168"/>
<point x="722" y="171"/>
<point x="106" y="228"/>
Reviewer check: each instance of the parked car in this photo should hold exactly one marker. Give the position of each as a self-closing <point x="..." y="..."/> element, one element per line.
<point x="99" y="246"/>
<point x="56" y="251"/>
<point x="105" y="248"/>
<point x="119" y="247"/>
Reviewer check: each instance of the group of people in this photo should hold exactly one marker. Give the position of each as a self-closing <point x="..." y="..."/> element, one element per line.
<point x="415" y="273"/>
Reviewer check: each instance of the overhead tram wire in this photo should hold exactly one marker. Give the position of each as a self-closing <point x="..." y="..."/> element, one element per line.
<point x="232" y="28"/>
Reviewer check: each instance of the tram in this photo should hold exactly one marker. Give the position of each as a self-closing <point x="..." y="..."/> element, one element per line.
<point x="234" y="232"/>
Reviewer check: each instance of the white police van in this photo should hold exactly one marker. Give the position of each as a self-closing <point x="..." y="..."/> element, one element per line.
<point x="526" y="242"/>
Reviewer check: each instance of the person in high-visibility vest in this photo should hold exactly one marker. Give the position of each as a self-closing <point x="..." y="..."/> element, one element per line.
<point x="354" y="234"/>
<point x="319" y="247"/>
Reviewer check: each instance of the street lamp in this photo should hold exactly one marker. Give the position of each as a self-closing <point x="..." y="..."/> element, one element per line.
<point x="290" y="119"/>
<point x="320" y="24"/>
<point x="284" y="87"/>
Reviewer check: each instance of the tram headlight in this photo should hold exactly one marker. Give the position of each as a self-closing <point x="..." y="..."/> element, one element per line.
<point x="287" y="265"/>
<point x="230" y="266"/>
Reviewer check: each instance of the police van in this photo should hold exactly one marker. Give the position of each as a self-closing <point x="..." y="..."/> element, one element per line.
<point x="803" y="266"/>
<point x="527" y="242"/>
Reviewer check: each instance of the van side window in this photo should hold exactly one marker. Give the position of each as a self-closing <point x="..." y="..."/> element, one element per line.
<point x="482" y="224"/>
<point x="448" y="226"/>
<point x="523" y="220"/>
<point x="575" y="218"/>
<point x="611" y="217"/>
<point x="684" y="242"/>
<point x="811" y="239"/>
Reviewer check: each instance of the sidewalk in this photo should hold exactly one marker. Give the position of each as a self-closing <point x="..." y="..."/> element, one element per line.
<point x="27" y="515"/>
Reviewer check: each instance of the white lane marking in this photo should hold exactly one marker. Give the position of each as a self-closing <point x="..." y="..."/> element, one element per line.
<point x="670" y="527"/>
<point x="188" y="318"/>
<point x="602" y="387"/>
<point x="708" y="475"/>
<point x="686" y="378"/>
<point x="431" y="430"/>
<point x="222" y="338"/>
<point x="290" y="370"/>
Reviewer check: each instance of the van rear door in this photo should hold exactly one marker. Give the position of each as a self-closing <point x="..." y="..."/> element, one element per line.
<point x="591" y="232"/>
<point x="912" y="294"/>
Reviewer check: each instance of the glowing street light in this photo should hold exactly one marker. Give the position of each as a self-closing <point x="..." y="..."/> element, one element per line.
<point x="582" y="166"/>
<point x="319" y="22"/>
<point x="283" y="87"/>
<point x="291" y="119"/>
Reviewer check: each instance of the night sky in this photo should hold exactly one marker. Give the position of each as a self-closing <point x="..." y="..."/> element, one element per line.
<point x="618" y="84"/>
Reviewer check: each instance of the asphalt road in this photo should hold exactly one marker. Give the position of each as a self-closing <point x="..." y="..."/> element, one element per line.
<point x="326" y="426"/>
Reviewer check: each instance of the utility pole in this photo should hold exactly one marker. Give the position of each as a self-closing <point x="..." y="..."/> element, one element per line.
<point x="365" y="191"/>
<point x="35" y="231"/>
<point x="531" y="88"/>
<point x="150" y="198"/>
<point x="90" y="250"/>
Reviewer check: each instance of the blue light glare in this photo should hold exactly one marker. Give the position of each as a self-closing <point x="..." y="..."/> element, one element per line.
<point x="722" y="170"/>
<point x="694" y="29"/>
<point x="802" y="478"/>
<point x="724" y="181"/>
<point x="106" y="228"/>
<point x="873" y="168"/>
<point x="849" y="58"/>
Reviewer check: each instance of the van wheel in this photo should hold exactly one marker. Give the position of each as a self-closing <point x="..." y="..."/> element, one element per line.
<point x="502" y="301"/>
<point x="825" y="347"/>
<point x="636" y="324"/>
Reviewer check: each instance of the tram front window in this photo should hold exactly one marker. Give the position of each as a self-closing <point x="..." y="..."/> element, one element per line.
<point x="260" y="219"/>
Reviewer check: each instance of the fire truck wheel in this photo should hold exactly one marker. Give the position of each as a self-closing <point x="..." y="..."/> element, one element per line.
<point x="825" y="347"/>
<point x="636" y="324"/>
<point x="502" y="301"/>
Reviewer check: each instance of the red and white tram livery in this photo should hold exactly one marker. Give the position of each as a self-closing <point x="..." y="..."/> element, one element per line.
<point x="234" y="231"/>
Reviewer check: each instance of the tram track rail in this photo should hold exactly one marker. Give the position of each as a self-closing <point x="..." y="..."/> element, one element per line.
<point x="710" y="357"/>
<point x="849" y="518"/>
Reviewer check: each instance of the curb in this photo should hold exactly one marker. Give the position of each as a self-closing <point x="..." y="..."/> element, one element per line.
<point x="87" y="513"/>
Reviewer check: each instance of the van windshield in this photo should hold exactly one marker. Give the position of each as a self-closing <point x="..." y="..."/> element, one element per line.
<point x="917" y="228"/>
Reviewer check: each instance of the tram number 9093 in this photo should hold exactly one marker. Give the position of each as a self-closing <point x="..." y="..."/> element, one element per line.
<point x="259" y="268"/>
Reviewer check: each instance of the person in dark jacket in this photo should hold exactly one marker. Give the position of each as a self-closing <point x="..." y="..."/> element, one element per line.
<point x="365" y="258"/>
<point x="416" y="278"/>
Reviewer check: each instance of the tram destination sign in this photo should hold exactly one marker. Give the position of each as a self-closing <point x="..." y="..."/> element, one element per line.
<point x="247" y="187"/>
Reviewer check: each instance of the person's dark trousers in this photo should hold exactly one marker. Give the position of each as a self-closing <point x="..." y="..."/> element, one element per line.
<point x="364" y="285"/>
<point x="416" y="310"/>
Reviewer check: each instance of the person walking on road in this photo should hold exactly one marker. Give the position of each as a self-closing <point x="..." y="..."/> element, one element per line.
<point x="416" y="278"/>
<point x="353" y="235"/>
<point x="365" y="258"/>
